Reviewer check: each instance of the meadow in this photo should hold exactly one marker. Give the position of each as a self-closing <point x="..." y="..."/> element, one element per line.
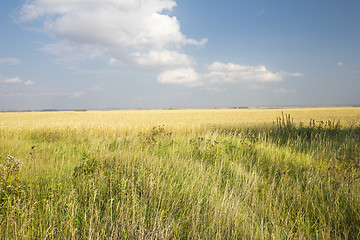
<point x="181" y="174"/>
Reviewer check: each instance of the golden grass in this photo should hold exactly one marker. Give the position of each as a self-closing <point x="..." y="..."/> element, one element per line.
<point x="207" y="174"/>
<point x="178" y="119"/>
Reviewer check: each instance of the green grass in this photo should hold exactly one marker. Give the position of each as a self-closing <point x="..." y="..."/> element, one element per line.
<point x="272" y="181"/>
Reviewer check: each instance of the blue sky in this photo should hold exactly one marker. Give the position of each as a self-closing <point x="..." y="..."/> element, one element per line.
<point x="72" y="54"/>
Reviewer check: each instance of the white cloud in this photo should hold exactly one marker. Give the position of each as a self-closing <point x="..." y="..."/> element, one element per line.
<point x="10" y="61"/>
<point x="162" y="58"/>
<point x="29" y="82"/>
<point x="187" y="76"/>
<point x="235" y="73"/>
<point x="340" y="64"/>
<point x="12" y="80"/>
<point x="282" y="90"/>
<point x="140" y="33"/>
<point x="135" y="32"/>
<point x="112" y="61"/>
<point x="220" y="73"/>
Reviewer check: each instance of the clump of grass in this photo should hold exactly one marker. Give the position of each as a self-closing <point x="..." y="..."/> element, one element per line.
<point x="10" y="185"/>
<point x="285" y="121"/>
<point x="85" y="167"/>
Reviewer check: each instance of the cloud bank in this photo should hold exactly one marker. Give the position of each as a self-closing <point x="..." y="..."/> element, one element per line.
<point x="235" y="73"/>
<point x="139" y="33"/>
<point x="219" y="73"/>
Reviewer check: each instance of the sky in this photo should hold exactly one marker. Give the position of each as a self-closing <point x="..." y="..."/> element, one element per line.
<point x="134" y="54"/>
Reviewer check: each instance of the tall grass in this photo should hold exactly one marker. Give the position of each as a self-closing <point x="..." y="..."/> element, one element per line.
<point x="283" y="179"/>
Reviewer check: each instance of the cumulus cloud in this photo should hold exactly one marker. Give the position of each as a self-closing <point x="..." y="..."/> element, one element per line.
<point x="10" y="61"/>
<point x="187" y="76"/>
<point x="234" y="73"/>
<point x="219" y="73"/>
<point x="29" y="82"/>
<point x="162" y="58"/>
<point x="113" y="61"/>
<point x="136" y="23"/>
<point x="12" y="80"/>
<point x="138" y="31"/>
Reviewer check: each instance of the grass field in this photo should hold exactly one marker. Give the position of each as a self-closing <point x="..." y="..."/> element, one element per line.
<point x="181" y="174"/>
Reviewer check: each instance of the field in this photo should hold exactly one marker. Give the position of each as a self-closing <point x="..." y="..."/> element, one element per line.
<point x="181" y="174"/>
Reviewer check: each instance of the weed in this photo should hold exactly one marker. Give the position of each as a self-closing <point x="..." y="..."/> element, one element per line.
<point x="86" y="166"/>
<point x="10" y="185"/>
